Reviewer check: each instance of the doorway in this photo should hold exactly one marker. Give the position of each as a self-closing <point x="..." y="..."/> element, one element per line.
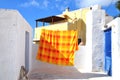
<point x="107" y="52"/>
<point x="27" y="51"/>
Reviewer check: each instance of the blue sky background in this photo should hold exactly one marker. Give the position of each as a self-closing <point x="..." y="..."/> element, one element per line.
<point x="34" y="9"/>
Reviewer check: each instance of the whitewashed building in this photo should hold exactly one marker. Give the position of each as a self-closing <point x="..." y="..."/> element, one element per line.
<point x="15" y="44"/>
<point x="17" y="49"/>
<point x="89" y="57"/>
<point x="114" y="60"/>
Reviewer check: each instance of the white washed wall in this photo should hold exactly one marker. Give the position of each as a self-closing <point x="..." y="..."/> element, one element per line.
<point x="88" y="58"/>
<point x="115" y="25"/>
<point x="83" y="60"/>
<point x="12" y="43"/>
<point x="95" y="36"/>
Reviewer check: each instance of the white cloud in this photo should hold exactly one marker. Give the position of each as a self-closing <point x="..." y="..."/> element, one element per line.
<point x="61" y="5"/>
<point x="45" y="3"/>
<point x="31" y="3"/>
<point x="86" y="3"/>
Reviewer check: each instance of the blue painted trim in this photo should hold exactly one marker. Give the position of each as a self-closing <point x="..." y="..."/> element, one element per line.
<point x="107" y="52"/>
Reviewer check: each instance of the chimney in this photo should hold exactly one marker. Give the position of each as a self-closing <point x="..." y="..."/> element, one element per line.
<point x="67" y="9"/>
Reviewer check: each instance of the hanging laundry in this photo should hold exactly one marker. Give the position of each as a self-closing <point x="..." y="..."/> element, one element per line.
<point x="58" y="47"/>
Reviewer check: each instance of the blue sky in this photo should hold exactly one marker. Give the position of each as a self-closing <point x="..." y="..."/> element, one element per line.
<point x="34" y="9"/>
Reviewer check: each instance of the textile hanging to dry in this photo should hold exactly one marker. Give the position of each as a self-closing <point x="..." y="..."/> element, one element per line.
<point x="58" y="47"/>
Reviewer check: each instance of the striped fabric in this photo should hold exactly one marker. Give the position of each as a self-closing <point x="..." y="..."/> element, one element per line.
<point x="58" y="47"/>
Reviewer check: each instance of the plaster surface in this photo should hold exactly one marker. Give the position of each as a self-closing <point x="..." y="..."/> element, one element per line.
<point x="12" y="43"/>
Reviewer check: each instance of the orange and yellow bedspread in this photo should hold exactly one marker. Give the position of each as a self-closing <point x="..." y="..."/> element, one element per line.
<point x="58" y="47"/>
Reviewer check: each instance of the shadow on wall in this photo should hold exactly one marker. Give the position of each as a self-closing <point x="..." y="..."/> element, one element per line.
<point x="80" y="26"/>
